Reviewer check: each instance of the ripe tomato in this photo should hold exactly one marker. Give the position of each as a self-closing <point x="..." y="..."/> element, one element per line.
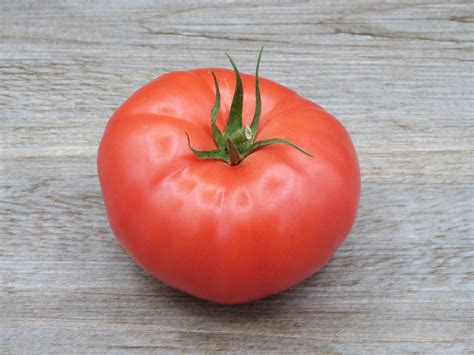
<point x="239" y="219"/>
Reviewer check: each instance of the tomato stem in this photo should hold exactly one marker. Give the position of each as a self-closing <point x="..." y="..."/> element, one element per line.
<point x="234" y="155"/>
<point x="237" y="142"/>
<point x="242" y="135"/>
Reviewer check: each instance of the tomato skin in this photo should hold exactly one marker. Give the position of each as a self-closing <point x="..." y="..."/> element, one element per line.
<point x="228" y="234"/>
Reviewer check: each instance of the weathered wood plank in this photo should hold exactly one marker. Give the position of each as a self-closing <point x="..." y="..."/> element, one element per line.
<point x="398" y="74"/>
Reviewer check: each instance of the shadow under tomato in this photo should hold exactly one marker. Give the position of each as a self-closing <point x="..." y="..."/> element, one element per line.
<point x="297" y="315"/>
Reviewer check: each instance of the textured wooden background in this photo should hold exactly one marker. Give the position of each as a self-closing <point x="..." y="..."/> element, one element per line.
<point x="399" y="75"/>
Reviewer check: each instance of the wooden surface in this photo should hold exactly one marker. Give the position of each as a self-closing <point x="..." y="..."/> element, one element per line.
<point x="399" y="75"/>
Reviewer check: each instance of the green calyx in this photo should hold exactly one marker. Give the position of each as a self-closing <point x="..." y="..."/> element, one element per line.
<point x="237" y="141"/>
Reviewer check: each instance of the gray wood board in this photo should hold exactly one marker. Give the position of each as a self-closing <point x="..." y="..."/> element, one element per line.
<point x="399" y="75"/>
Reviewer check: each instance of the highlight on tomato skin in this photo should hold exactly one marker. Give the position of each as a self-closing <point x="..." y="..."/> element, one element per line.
<point x="227" y="186"/>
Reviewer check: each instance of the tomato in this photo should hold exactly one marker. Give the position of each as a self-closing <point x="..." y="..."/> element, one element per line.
<point x="199" y="198"/>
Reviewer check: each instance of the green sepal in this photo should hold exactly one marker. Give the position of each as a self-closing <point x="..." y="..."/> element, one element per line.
<point x="265" y="142"/>
<point x="208" y="154"/>
<point x="258" y="108"/>
<point x="237" y="142"/>
<point x="235" y="115"/>
<point x="219" y="138"/>
<point x="258" y="101"/>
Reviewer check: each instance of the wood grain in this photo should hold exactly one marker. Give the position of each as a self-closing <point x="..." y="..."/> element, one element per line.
<point x="398" y="74"/>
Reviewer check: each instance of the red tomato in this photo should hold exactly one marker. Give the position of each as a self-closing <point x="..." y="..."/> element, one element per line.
<point x="227" y="233"/>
